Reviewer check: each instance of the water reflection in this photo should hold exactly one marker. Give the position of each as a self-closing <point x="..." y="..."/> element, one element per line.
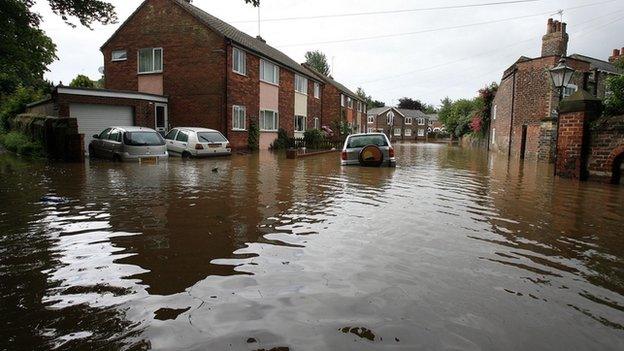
<point x="453" y="249"/>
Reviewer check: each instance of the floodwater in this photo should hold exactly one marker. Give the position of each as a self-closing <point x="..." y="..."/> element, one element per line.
<point x="452" y="250"/>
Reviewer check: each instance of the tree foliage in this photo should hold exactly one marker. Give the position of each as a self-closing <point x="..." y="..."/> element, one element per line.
<point x="318" y="61"/>
<point x="16" y="103"/>
<point x="82" y="81"/>
<point x="25" y="50"/>
<point x="370" y="103"/>
<point x="415" y="104"/>
<point x="483" y="114"/>
<point x="614" y="100"/>
<point x="255" y="3"/>
<point x="457" y="115"/>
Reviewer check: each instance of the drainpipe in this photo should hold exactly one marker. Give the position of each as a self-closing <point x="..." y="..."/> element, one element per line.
<point x="225" y="97"/>
<point x="513" y="103"/>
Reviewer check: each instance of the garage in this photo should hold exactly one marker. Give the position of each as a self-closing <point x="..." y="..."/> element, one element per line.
<point x="92" y="118"/>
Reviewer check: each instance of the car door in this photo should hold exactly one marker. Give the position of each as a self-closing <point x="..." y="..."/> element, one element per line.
<point x="181" y="141"/>
<point x="99" y="143"/>
<point x="114" y="142"/>
<point x="170" y="140"/>
<point x="108" y="143"/>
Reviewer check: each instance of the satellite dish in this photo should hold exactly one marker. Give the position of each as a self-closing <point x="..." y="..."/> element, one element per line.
<point x="101" y="70"/>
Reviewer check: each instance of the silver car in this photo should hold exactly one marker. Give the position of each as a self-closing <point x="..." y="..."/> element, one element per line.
<point x="129" y="144"/>
<point x="371" y="149"/>
<point x="197" y="142"/>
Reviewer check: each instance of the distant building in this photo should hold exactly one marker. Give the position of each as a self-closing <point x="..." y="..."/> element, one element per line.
<point x="398" y="124"/>
<point x="435" y="126"/>
<point x="523" y="122"/>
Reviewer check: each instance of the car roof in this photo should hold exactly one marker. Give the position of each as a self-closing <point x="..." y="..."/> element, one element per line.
<point x="198" y="129"/>
<point x="363" y="134"/>
<point x="133" y="129"/>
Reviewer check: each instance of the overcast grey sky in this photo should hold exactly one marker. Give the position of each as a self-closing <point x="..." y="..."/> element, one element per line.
<point x="452" y="62"/>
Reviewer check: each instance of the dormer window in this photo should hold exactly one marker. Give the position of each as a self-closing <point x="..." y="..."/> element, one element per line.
<point x="119" y="55"/>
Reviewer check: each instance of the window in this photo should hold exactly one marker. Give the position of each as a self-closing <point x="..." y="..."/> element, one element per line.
<point x="317" y="90"/>
<point x="569" y="90"/>
<point x="171" y="135"/>
<point x="268" y="121"/>
<point x="239" y="61"/>
<point x="119" y="55"/>
<point x="104" y="134"/>
<point x="421" y="121"/>
<point x="269" y="72"/>
<point x="317" y="124"/>
<point x="371" y="119"/>
<point x="493" y="135"/>
<point x="211" y="137"/>
<point x="397" y="131"/>
<point x="143" y="139"/>
<point x="239" y="118"/>
<point x="494" y="112"/>
<point x="350" y="102"/>
<point x="301" y="84"/>
<point x="115" y="135"/>
<point x="390" y="118"/>
<point x="370" y="130"/>
<point x="150" y="60"/>
<point x="430" y="122"/>
<point x="182" y="136"/>
<point x="343" y="102"/>
<point x="300" y="123"/>
<point x="363" y="140"/>
<point x="408" y="132"/>
<point x="421" y="132"/>
<point x="408" y="120"/>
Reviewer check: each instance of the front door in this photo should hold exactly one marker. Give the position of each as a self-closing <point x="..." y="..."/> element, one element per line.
<point x="523" y="142"/>
<point x="161" y="119"/>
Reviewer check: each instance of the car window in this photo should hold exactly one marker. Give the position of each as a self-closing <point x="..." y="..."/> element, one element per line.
<point x="104" y="134"/>
<point x="143" y="139"/>
<point x="171" y="135"/>
<point x="364" y="140"/>
<point x="210" y="137"/>
<point x="115" y="135"/>
<point x="182" y="136"/>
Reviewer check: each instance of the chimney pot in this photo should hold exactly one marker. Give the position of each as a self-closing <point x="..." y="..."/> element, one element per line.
<point x="616" y="53"/>
<point x="563" y="27"/>
<point x="549" y="26"/>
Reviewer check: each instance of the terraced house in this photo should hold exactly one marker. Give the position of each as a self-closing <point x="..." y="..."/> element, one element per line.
<point x="398" y="124"/>
<point x="216" y="76"/>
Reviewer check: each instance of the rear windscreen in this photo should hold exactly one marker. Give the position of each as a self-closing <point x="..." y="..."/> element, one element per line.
<point x="210" y="137"/>
<point x="143" y="139"/>
<point x="364" y="140"/>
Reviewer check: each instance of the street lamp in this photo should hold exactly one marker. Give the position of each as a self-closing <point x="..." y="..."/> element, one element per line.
<point x="561" y="76"/>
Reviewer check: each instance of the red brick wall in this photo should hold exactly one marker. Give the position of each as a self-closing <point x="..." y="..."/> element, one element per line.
<point x="331" y="105"/>
<point x="243" y="91"/>
<point x="193" y="62"/>
<point x="287" y="101"/>
<point x="314" y="105"/>
<point x="569" y="145"/>
<point x="499" y="139"/>
<point x="607" y="143"/>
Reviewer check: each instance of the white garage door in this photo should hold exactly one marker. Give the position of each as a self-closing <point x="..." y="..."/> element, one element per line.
<point x="92" y="119"/>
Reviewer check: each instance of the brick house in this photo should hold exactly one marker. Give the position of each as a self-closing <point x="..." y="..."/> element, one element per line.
<point x="398" y="124"/>
<point x="524" y="108"/>
<point x="214" y="75"/>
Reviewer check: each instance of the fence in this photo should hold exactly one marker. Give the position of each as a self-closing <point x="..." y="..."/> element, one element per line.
<point x="325" y="144"/>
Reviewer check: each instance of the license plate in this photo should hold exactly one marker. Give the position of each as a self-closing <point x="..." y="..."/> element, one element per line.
<point x="214" y="146"/>
<point x="151" y="159"/>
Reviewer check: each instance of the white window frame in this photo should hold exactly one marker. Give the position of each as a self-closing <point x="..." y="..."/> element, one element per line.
<point x="421" y="121"/>
<point x="317" y="123"/>
<point x="421" y="133"/>
<point x="494" y="112"/>
<point x="241" y="62"/>
<point x="370" y="130"/>
<point x="395" y="132"/>
<point x="236" y="110"/>
<point x="371" y="119"/>
<point x="303" y="126"/>
<point x="390" y="118"/>
<point x="408" y="120"/>
<point x="262" y="122"/>
<point x="350" y="102"/>
<point x="408" y="132"/>
<point x="493" y="135"/>
<point x="124" y="58"/>
<point x="317" y="90"/>
<point x="162" y="62"/>
<point x="569" y="86"/>
<point x="275" y="78"/>
<point x="301" y="84"/>
<point x="342" y="100"/>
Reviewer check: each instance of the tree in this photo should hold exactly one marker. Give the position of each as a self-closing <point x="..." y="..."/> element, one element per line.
<point x="25" y="49"/>
<point x="82" y="81"/>
<point x="318" y="61"/>
<point x="410" y="104"/>
<point x="457" y="115"/>
<point x="370" y="103"/>
<point x="482" y="116"/>
<point x="255" y="3"/>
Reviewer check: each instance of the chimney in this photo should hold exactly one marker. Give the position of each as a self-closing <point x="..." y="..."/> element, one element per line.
<point x="555" y="42"/>
<point x="260" y="38"/>
<point x="616" y="55"/>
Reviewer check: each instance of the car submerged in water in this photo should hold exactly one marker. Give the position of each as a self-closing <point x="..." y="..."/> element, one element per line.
<point x="369" y="150"/>
<point x="129" y="144"/>
<point x="197" y="142"/>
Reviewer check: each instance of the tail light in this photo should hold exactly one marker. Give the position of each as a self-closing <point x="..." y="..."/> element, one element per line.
<point x="227" y="146"/>
<point x="199" y="147"/>
<point x="391" y="152"/>
<point x="343" y="155"/>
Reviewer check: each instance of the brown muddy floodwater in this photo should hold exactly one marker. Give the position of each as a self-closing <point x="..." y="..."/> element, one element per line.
<point x="452" y="250"/>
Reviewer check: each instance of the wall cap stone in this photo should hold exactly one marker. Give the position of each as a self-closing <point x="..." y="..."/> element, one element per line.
<point x="581" y="101"/>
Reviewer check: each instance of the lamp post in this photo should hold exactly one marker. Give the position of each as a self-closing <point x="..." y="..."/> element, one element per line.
<point x="560" y="76"/>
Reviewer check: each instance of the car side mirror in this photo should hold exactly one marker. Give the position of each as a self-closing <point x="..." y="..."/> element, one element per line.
<point x="96" y="136"/>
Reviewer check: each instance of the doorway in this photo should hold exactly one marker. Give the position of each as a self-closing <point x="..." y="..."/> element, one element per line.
<point x="618" y="169"/>
<point x="161" y="119"/>
<point x="523" y="142"/>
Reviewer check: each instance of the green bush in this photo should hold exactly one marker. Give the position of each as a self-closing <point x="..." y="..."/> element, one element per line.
<point x="314" y="138"/>
<point x="614" y="100"/>
<point x="21" y="144"/>
<point x="253" y="137"/>
<point x="14" y="104"/>
<point x="282" y="141"/>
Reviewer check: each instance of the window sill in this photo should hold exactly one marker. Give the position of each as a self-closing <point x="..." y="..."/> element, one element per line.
<point x="238" y="130"/>
<point x="268" y="130"/>
<point x="119" y="60"/>
<point x="148" y="73"/>
<point x="240" y="73"/>
<point x="271" y="83"/>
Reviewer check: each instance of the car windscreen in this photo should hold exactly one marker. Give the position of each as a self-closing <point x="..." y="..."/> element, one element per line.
<point x="143" y="139"/>
<point x="364" y="140"/>
<point x="210" y="137"/>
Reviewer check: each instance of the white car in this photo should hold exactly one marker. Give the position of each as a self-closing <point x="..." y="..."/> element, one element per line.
<point x="197" y="142"/>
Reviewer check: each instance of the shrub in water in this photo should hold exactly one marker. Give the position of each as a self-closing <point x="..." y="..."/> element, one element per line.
<point x="21" y="144"/>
